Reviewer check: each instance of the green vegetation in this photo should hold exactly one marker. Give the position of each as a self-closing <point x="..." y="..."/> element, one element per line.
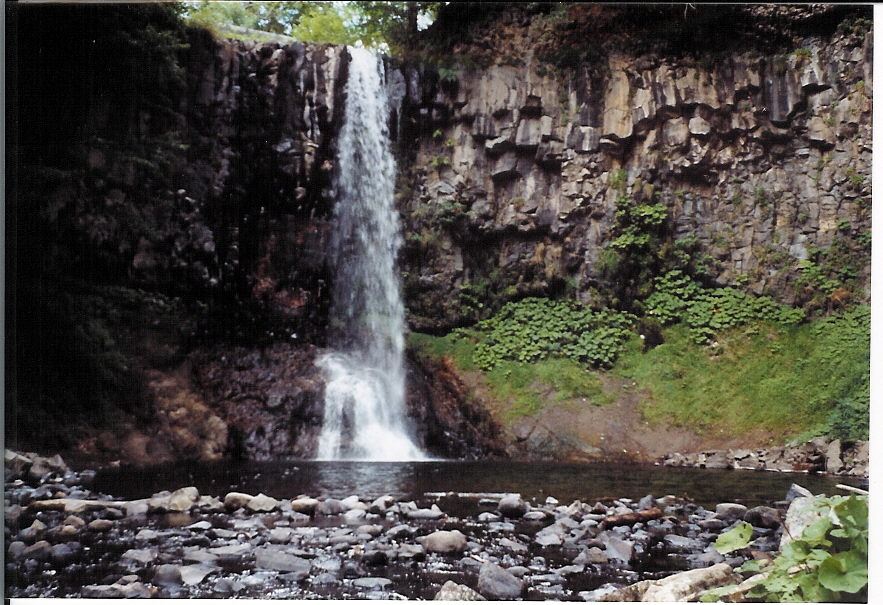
<point x="379" y="25"/>
<point x="526" y="387"/>
<point x="708" y="311"/>
<point x="807" y="379"/>
<point x="534" y="329"/>
<point x="827" y="563"/>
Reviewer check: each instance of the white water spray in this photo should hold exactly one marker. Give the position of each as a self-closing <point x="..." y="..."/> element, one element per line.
<point x="365" y="377"/>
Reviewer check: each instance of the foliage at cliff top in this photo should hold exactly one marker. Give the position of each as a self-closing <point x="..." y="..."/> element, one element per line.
<point x="380" y="25"/>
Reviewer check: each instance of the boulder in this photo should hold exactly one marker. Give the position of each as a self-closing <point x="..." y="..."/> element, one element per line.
<point x="763" y="516"/>
<point x="496" y="583"/>
<point x="183" y="499"/>
<point x="801" y="514"/>
<point x="234" y="500"/>
<point x="305" y="506"/>
<point x="730" y="511"/>
<point x="512" y="506"/>
<point x="262" y="503"/>
<point x="451" y="591"/>
<point x="833" y="462"/>
<point x="444" y="541"/>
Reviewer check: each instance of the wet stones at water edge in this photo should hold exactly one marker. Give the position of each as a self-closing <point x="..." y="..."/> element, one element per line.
<point x="308" y="547"/>
<point x="819" y="455"/>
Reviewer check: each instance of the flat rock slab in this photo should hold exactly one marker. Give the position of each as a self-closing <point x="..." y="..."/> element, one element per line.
<point x="269" y="558"/>
<point x="372" y="583"/>
<point x="192" y="575"/>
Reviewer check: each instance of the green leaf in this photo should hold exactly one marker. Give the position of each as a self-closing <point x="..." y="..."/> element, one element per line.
<point x="734" y="539"/>
<point x="816" y="531"/>
<point x="845" y="571"/>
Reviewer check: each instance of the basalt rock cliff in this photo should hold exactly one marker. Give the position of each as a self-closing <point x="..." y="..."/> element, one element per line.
<point x="169" y="205"/>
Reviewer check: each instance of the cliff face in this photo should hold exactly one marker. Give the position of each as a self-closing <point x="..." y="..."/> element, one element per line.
<point x="209" y="181"/>
<point x="764" y="159"/>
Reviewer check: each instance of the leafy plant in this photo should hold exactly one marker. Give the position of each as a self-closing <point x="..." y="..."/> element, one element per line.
<point x="707" y="311"/>
<point x="828" y="562"/>
<point x="534" y="329"/>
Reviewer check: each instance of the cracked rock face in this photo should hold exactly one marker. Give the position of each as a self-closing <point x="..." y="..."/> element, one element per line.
<point x="758" y="156"/>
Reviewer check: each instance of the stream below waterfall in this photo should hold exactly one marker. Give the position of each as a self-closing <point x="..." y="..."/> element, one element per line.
<point x="301" y="529"/>
<point x="425" y="480"/>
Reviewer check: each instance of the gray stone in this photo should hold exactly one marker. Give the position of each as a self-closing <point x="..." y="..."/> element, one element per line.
<point x="371" y="583"/>
<point x="689" y="585"/>
<point x="833" y="462"/>
<point x="496" y="583"/>
<point x="512" y="506"/>
<point x="100" y="525"/>
<point x="427" y="514"/>
<point x="615" y="548"/>
<point x="133" y="590"/>
<point x="281" y="535"/>
<point x="16" y="549"/>
<point x="730" y="511"/>
<point x="262" y="503"/>
<point x="329" y="507"/>
<point x="192" y="575"/>
<point x="400" y="531"/>
<point x="183" y="499"/>
<point x="40" y="550"/>
<point x="306" y="506"/>
<point x="451" y="591"/>
<point x="801" y="514"/>
<point x="444" y="541"/>
<point x="763" y="516"/>
<point x="354" y="516"/>
<point x="797" y="491"/>
<point x="324" y="579"/>
<point x="234" y="500"/>
<point x="140" y="555"/>
<point x="270" y="558"/>
<point x="167" y="575"/>
<point x="353" y="502"/>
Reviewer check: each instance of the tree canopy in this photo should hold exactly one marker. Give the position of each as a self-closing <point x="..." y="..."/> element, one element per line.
<point x="379" y="25"/>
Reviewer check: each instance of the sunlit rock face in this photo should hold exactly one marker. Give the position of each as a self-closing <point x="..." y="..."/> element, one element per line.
<point x="762" y="156"/>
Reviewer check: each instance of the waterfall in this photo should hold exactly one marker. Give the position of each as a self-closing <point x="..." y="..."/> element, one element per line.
<point x="364" y="375"/>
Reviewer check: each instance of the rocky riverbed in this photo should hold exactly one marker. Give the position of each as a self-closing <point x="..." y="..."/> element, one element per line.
<point x="65" y="540"/>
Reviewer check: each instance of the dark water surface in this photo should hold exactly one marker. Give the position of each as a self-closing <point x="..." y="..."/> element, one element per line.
<point x="419" y="480"/>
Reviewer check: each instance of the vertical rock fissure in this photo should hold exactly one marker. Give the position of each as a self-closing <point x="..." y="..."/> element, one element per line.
<point x="364" y="415"/>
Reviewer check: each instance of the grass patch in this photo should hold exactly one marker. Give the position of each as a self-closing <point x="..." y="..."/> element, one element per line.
<point x="524" y="388"/>
<point x="793" y="380"/>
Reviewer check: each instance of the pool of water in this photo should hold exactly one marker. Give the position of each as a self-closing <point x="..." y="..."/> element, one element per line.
<point x="419" y="480"/>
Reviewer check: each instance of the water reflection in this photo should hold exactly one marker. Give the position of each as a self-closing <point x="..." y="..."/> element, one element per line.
<point x="566" y="482"/>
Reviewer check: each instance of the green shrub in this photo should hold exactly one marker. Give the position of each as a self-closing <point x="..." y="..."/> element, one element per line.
<point x="707" y="311"/>
<point x="534" y="329"/>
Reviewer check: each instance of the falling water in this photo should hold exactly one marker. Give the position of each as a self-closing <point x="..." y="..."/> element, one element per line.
<point x="364" y="390"/>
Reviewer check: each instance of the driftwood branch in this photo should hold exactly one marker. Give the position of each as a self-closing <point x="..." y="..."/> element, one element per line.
<point x="631" y="518"/>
